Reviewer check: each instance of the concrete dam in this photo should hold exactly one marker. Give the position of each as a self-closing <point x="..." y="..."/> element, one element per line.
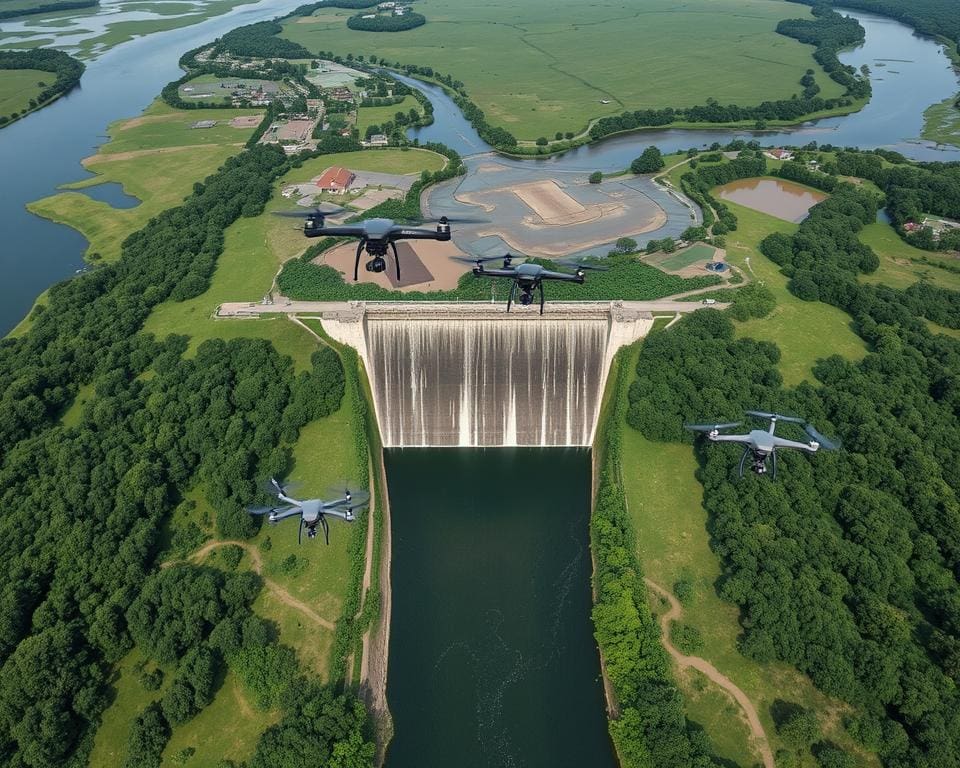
<point x="478" y="383"/>
<point x="466" y="375"/>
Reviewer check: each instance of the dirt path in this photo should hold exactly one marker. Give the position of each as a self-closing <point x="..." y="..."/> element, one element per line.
<point x="245" y="709"/>
<point x="712" y="673"/>
<point x="275" y="589"/>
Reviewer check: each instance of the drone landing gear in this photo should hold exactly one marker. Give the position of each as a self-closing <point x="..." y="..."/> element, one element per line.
<point x="378" y="262"/>
<point x="312" y="529"/>
<point x="526" y="294"/>
<point x="758" y="462"/>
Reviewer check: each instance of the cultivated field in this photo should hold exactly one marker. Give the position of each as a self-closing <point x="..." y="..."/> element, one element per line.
<point x="535" y="74"/>
<point x="18" y="86"/>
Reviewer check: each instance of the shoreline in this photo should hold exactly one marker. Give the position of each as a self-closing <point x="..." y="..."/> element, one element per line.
<point x="376" y="640"/>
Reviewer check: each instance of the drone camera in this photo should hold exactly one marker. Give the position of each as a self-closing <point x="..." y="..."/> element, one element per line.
<point x="376" y="264"/>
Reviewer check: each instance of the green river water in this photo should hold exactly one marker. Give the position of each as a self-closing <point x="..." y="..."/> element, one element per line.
<point x="492" y="656"/>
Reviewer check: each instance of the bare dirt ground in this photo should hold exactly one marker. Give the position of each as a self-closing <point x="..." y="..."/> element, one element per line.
<point x="712" y="673"/>
<point x="437" y="270"/>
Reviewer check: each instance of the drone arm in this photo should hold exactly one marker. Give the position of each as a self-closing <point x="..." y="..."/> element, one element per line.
<point x="482" y="272"/>
<point x="347" y="230"/>
<point x="404" y="233"/>
<point x="283" y="514"/>
<point x="574" y="278"/>
<point x="718" y="438"/>
<point x="780" y="442"/>
<point x="540" y="286"/>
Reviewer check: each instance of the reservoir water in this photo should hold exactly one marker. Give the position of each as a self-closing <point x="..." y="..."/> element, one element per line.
<point x="492" y="658"/>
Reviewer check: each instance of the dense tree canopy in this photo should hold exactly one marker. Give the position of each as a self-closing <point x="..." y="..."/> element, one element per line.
<point x="846" y="567"/>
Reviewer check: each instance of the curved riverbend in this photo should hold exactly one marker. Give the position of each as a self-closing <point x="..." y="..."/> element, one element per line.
<point x="921" y="75"/>
<point x="44" y="150"/>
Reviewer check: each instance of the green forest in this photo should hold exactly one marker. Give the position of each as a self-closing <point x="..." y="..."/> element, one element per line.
<point x="66" y="70"/>
<point x="847" y="566"/>
<point x="87" y="503"/>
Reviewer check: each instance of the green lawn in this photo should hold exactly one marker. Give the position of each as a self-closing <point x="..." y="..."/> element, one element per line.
<point x="379" y="115"/>
<point x="540" y="67"/>
<point x="901" y="265"/>
<point x="665" y="502"/>
<point x="110" y="743"/>
<point x="801" y="329"/>
<point x="18" y="86"/>
<point x="685" y="258"/>
<point x="227" y="729"/>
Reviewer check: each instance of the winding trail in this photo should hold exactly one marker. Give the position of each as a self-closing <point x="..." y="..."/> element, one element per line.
<point x="712" y="673"/>
<point x="275" y="589"/>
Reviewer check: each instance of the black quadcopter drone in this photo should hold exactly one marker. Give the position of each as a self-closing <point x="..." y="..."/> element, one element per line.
<point x="375" y="235"/>
<point x="762" y="444"/>
<point x="527" y="277"/>
<point x="311" y="511"/>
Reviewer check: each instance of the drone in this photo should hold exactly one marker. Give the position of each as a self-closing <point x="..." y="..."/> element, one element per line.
<point x="762" y="444"/>
<point x="311" y="511"/>
<point x="375" y="235"/>
<point x="527" y="277"/>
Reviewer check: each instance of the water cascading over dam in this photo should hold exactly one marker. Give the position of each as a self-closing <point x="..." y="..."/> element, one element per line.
<point x="484" y="383"/>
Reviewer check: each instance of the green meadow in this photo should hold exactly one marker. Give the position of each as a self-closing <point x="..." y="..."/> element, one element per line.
<point x="540" y="67"/>
<point x="18" y="86"/>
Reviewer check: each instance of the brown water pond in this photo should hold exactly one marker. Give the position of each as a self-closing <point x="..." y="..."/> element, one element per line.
<point x="775" y="197"/>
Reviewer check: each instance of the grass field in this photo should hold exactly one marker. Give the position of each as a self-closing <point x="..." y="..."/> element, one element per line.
<point x="540" y="67"/>
<point x="379" y="115"/>
<point x="901" y="265"/>
<point x="800" y="328"/>
<point x="18" y="86"/>
<point x="665" y="501"/>
<point x="685" y="258"/>
<point x="144" y="157"/>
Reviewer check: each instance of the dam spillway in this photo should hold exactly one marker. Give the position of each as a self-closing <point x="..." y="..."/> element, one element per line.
<point x="485" y="382"/>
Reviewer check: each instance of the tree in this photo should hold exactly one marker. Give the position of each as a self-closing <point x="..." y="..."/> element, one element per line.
<point x="596" y="177"/>
<point x="626" y="245"/>
<point x="542" y="141"/>
<point x="650" y="161"/>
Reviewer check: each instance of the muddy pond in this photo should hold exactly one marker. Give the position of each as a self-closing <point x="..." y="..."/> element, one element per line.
<point x="775" y="197"/>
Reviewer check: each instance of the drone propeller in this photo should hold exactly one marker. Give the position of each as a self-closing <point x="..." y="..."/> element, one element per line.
<point x="347" y="498"/>
<point x="826" y="443"/>
<point x="479" y="259"/>
<point x="326" y="209"/>
<point x="777" y="416"/>
<point x="584" y="265"/>
<point x="712" y="427"/>
<point x="300" y="531"/>
<point x="260" y="510"/>
<point x="275" y="487"/>
<point x="448" y="220"/>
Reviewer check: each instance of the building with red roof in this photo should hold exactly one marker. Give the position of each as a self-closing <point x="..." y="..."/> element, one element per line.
<point x="336" y="180"/>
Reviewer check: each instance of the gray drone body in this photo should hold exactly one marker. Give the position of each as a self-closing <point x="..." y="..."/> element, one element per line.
<point x="312" y="512"/>
<point x="527" y="277"/>
<point x="762" y="444"/>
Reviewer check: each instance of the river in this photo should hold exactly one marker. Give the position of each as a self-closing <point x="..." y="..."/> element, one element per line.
<point x="44" y="150"/>
<point x="908" y="73"/>
<point x="492" y="658"/>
